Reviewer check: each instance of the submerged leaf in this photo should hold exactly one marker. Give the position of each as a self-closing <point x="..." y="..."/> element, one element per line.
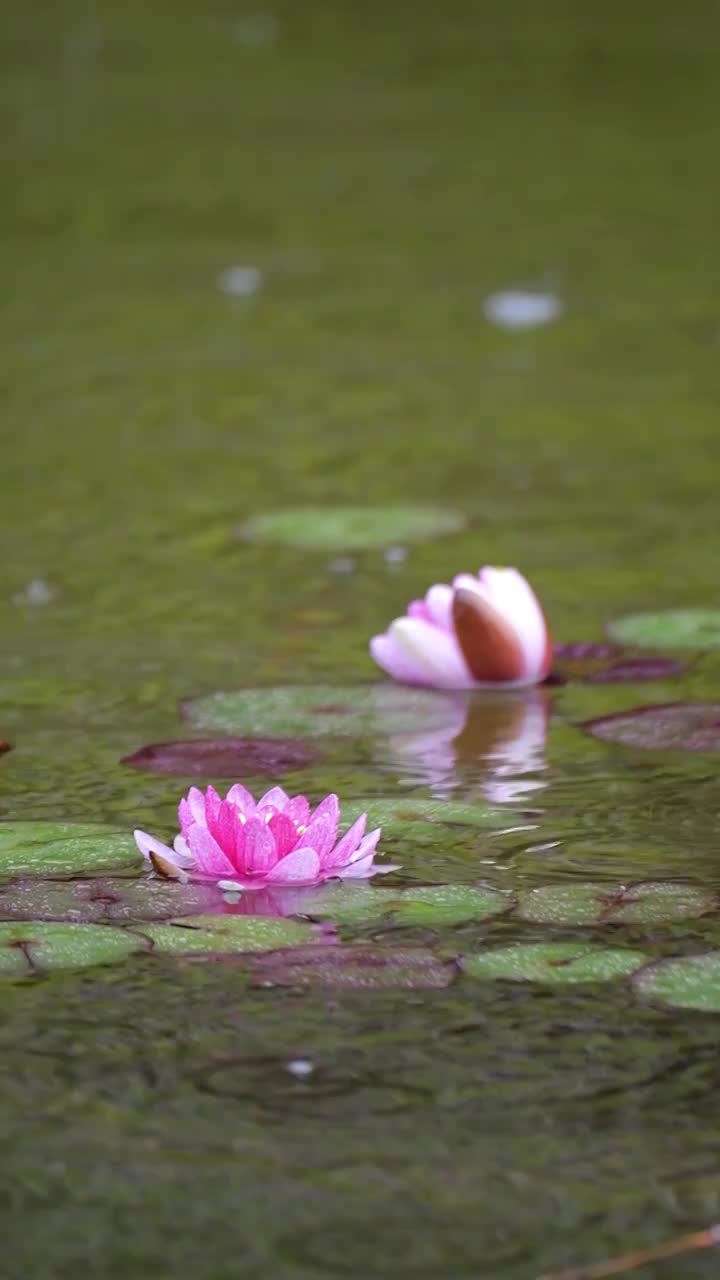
<point x="64" y="848"/>
<point x="552" y="962"/>
<point x="647" y="902"/>
<point x="209" y="933"/>
<point x="669" y="629"/>
<point x="358" y="968"/>
<point x="27" y="948"/>
<point x="224" y="757"/>
<point x="350" y="528"/>
<point x="664" y="726"/>
<point x="683" y="982"/>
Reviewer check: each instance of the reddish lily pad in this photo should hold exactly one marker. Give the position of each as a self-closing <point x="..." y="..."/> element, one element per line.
<point x="647" y="902"/>
<point x="607" y="664"/>
<point x="224" y="757"/>
<point x="211" y="934"/>
<point x="106" y="899"/>
<point x="558" y="963"/>
<point x="357" y="968"/>
<point x="669" y="629"/>
<point x="664" y="726"/>
<point x="682" y="982"/>
<point x="631" y="670"/>
<point x="64" y="849"/>
<point x="30" y="948"/>
<point x="5" y="746"/>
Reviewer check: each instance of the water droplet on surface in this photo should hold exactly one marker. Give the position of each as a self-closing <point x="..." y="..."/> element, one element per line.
<point x="517" y="309"/>
<point x="395" y="555"/>
<point x="240" y="282"/>
<point x="301" y="1068"/>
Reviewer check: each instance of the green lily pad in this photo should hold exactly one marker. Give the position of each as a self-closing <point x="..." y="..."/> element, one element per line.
<point x="319" y="711"/>
<point x="64" y="848"/>
<point x="553" y="962"/>
<point x="669" y="629"/>
<point x="420" y="821"/>
<point x="112" y="899"/>
<point x="356" y="968"/>
<point x="448" y="904"/>
<point x="28" y="948"/>
<point x="683" y="982"/>
<point x="350" y="528"/>
<point x="226" y="934"/>
<point x="338" y="901"/>
<point x="648" y="902"/>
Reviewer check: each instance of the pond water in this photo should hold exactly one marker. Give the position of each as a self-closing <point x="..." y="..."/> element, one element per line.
<point x="378" y="173"/>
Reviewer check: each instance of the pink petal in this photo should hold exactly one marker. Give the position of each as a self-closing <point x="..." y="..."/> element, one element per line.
<point x="212" y="807"/>
<point x="418" y="609"/>
<point x="345" y="848"/>
<point x="321" y="832"/>
<point x="488" y="639"/>
<point x="260" y="853"/>
<point x="224" y="828"/>
<point x="302" y="866"/>
<point x="186" y="817"/>
<point x="147" y="844"/>
<point x="367" y="846"/>
<point x="421" y="653"/>
<point x="275" y="798"/>
<point x="209" y="857"/>
<point x="393" y="659"/>
<point x="242" y="799"/>
<point x="438" y="603"/>
<point x="196" y="804"/>
<point x="285" y="833"/>
<point x="298" y="810"/>
<point x="183" y="856"/>
<point x="361" y="870"/>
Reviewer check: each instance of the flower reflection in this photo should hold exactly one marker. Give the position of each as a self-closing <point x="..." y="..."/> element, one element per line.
<point x="499" y="738"/>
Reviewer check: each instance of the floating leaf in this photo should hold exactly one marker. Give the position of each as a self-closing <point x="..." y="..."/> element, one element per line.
<point x="229" y="933"/>
<point x="684" y="982"/>
<point x="318" y="711"/>
<point x="106" y="898"/>
<point x="586" y="651"/>
<point x="350" y="528"/>
<point x="63" y="848"/>
<point x="555" y="962"/>
<point x="669" y="629"/>
<point x="448" y="904"/>
<point x="664" y="726"/>
<point x="224" y="757"/>
<point x="631" y="670"/>
<point x="341" y="902"/>
<point x="420" y="821"/>
<point x="605" y="664"/>
<point x="30" y="947"/>
<point x="359" y="968"/>
<point x="648" y="902"/>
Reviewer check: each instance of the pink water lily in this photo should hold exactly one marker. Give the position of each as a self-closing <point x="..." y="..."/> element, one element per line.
<point x="481" y="632"/>
<point x="276" y="841"/>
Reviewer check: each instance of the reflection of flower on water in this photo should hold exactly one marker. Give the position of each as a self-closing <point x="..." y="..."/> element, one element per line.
<point x="455" y="735"/>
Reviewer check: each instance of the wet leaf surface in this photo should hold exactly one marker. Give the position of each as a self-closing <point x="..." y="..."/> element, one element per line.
<point x="667" y="726"/>
<point x="32" y="948"/>
<point x="669" y="629"/>
<point x="682" y="982"/>
<point x="350" y="528"/>
<point x="106" y="898"/>
<point x="650" y="902"/>
<point x="420" y="821"/>
<point x="553" y="962"/>
<point x="449" y="904"/>
<point x="224" y="757"/>
<point x="64" y="848"/>
<point x="602" y="663"/>
<point x="357" y="968"/>
<point x="208" y="933"/>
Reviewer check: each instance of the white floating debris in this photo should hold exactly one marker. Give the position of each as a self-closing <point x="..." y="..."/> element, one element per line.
<point x="515" y="309"/>
<point x="395" y="555"/>
<point x="301" y="1068"/>
<point x="240" y="282"/>
<point x="37" y="592"/>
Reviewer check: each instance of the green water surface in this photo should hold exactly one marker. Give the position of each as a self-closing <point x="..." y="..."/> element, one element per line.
<point x="385" y="167"/>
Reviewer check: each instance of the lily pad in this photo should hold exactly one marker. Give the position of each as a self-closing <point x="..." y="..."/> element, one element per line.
<point x="633" y="670"/>
<point x="420" y="821"/>
<point x="64" y="848"/>
<point x="669" y="629"/>
<point x="30" y="948"/>
<point x="224" y="757"/>
<point x="663" y="726"/>
<point x="448" y="904"/>
<point x="338" y="901"/>
<point x="683" y="982"/>
<point x="209" y="933"/>
<point x="350" y="528"/>
<point x="316" y="711"/>
<point x="596" y="663"/>
<point x="647" y="902"/>
<point x="354" y="967"/>
<point x="106" y="898"/>
<point x="553" y="962"/>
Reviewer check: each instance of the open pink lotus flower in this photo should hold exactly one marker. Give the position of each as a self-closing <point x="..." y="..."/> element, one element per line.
<point x="479" y="633"/>
<point x="277" y="841"/>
